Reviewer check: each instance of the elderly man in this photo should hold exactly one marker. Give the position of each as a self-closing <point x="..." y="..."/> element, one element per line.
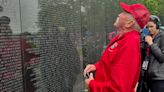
<point x="119" y="67"/>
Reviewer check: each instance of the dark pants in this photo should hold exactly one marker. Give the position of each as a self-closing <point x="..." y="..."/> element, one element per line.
<point x="156" y="85"/>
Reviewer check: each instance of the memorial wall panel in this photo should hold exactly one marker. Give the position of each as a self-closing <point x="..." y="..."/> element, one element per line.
<point x="11" y="74"/>
<point x="51" y="45"/>
<point x="45" y="44"/>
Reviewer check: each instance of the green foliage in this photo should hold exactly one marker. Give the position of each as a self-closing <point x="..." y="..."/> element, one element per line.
<point x="161" y="8"/>
<point x="152" y="5"/>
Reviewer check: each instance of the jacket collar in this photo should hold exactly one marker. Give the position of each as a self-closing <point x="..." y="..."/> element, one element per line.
<point x="117" y="37"/>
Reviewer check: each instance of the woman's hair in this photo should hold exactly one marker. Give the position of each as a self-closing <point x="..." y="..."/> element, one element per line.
<point x="155" y="19"/>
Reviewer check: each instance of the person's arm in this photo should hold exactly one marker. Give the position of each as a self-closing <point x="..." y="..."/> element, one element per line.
<point x="125" y="70"/>
<point x="158" y="51"/>
<point x="97" y="64"/>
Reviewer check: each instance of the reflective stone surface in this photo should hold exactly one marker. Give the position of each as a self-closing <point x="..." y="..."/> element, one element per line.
<point x="45" y="44"/>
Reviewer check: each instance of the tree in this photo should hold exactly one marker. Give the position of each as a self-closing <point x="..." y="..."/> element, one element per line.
<point x="152" y="5"/>
<point x="161" y="8"/>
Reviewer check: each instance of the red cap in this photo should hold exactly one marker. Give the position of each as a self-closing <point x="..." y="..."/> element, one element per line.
<point x="138" y="11"/>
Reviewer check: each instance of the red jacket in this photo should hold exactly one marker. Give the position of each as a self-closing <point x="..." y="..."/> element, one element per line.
<point x="119" y="67"/>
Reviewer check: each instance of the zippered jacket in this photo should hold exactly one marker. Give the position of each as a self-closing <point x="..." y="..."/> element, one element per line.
<point x="119" y="67"/>
<point x="156" y="65"/>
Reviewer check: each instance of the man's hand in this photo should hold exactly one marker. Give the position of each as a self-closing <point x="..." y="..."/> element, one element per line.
<point x="87" y="81"/>
<point x="89" y="68"/>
